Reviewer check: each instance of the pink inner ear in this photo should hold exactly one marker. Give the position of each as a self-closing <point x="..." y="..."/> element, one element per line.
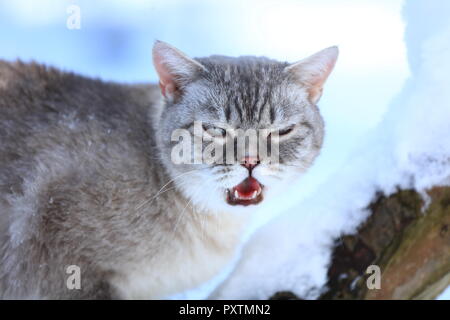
<point x="316" y="83"/>
<point x="166" y="82"/>
<point x="317" y="77"/>
<point x="163" y="88"/>
<point x="167" y="88"/>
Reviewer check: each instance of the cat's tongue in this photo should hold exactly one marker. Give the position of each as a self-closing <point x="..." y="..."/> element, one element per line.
<point x="245" y="193"/>
<point x="247" y="189"/>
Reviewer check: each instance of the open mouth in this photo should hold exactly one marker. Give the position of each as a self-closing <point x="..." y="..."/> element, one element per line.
<point x="245" y="193"/>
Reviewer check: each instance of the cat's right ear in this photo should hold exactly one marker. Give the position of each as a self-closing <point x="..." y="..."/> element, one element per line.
<point x="313" y="71"/>
<point x="174" y="68"/>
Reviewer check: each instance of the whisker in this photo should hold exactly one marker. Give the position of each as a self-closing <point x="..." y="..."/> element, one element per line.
<point x="295" y="166"/>
<point x="146" y="201"/>
<point x="184" y="209"/>
<point x="182" y="213"/>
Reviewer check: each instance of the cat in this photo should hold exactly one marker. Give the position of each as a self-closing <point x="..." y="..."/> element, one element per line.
<point x="88" y="181"/>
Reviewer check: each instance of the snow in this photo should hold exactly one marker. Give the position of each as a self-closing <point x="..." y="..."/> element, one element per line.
<point x="410" y="148"/>
<point x="444" y="295"/>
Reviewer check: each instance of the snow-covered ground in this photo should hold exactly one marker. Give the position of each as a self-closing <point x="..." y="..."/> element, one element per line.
<point x="386" y="105"/>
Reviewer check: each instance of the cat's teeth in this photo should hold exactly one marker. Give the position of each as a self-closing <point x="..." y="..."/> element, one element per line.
<point x="255" y="194"/>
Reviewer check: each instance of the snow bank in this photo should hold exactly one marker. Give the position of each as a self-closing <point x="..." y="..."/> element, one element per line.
<point x="410" y="148"/>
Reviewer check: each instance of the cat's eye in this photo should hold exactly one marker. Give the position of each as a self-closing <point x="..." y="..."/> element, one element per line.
<point x="215" y="131"/>
<point x="285" y="131"/>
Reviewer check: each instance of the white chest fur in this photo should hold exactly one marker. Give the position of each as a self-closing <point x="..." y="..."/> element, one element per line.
<point x="185" y="262"/>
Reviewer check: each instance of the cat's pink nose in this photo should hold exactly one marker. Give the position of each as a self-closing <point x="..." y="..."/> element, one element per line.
<point x="250" y="162"/>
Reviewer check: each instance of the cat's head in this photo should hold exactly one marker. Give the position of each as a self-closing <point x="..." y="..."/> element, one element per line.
<point x="211" y="102"/>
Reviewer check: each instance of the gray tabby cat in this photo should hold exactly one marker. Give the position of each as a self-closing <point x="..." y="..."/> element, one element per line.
<point x="87" y="180"/>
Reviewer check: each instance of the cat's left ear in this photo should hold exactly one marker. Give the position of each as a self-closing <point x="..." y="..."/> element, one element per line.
<point x="174" y="68"/>
<point x="313" y="71"/>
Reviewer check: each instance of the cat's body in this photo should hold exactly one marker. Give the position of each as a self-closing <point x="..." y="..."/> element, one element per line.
<point x="85" y="181"/>
<point x="71" y="162"/>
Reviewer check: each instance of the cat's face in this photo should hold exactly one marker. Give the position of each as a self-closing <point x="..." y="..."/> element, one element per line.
<point x="213" y="102"/>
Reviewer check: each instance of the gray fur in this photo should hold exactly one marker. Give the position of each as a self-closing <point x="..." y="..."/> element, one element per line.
<point x="85" y="176"/>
